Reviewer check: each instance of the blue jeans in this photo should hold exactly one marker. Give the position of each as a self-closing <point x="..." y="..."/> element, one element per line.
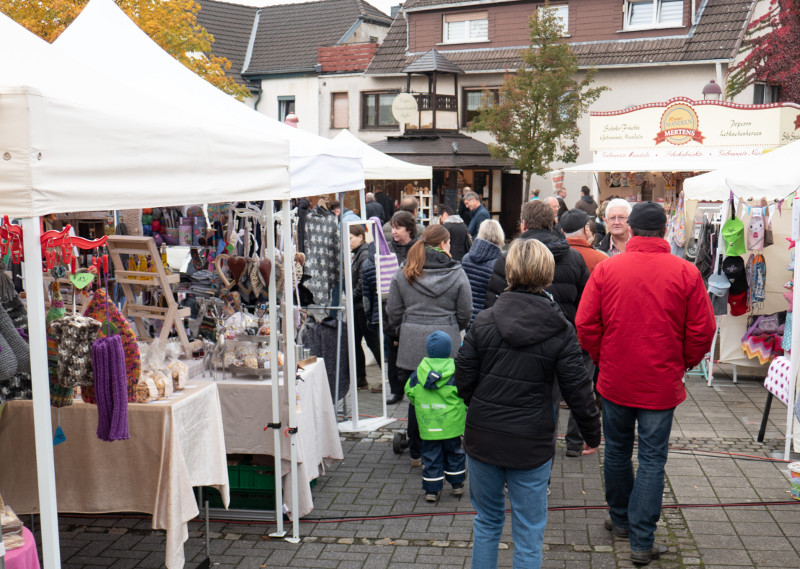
<point x="442" y="460"/>
<point x="527" y="491"/>
<point x="635" y="503"/>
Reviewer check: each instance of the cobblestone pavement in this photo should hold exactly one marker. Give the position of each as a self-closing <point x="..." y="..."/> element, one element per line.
<point x="725" y="506"/>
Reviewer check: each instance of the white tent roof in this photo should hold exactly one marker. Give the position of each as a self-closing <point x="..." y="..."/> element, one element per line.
<point x="104" y="37"/>
<point x="774" y="176"/>
<point x="380" y="166"/>
<point x="75" y="140"/>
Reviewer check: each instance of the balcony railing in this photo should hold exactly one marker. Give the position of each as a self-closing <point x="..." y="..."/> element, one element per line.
<point x="434" y="102"/>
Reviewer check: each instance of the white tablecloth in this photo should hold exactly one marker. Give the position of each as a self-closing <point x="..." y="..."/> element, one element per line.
<point x="247" y="408"/>
<point x="174" y="445"/>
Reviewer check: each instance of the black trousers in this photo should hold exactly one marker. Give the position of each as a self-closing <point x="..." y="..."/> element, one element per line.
<point x="362" y="329"/>
<point x="412" y="431"/>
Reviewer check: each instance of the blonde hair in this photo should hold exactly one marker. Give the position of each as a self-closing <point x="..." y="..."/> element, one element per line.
<point x="491" y="231"/>
<point x="529" y="265"/>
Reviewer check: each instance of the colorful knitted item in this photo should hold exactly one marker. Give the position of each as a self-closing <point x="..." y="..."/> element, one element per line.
<point x="764" y="347"/>
<point x="59" y="396"/>
<point x="757" y="279"/>
<point x="75" y="335"/>
<point x="17" y="342"/>
<point x="133" y="367"/>
<point x="111" y="391"/>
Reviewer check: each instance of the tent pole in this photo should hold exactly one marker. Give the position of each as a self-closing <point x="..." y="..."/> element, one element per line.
<point x="274" y="369"/>
<point x="290" y="358"/>
<point x="794" y="358"/>
<point x="42" y="422"/>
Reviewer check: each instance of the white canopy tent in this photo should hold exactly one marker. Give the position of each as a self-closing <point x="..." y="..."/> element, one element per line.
<point x="773" y="176"/>
<point x="72" y="139"/>
<point x="380" y="166"/>
<point x="104" y="37"/>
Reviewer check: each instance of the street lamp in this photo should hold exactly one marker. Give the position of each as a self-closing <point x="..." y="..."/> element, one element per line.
<point x="712" y="91"/>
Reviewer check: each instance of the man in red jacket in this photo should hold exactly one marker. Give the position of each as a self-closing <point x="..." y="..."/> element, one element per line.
<point x="645" y="318"/>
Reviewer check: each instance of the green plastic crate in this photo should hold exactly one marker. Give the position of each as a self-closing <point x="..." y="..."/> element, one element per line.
<point x="242" y="500"/>
<point x="247" y="477"/>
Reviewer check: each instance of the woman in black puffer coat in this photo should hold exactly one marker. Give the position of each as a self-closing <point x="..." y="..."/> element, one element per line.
<point x="505" y="370"/>
<point x="362" y="328"/>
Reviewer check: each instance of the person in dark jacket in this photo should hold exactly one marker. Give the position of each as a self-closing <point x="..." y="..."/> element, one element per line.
<point x="374" y="209"/>
<point x="505" y="372"/>
<point x="479" y="213"/>
<point x="404" y="235"/>
<point x="479" y="262"/>
<point x="587" y="203"/>
<point x="362" y="329"/>
<point x="386" y="203"/>
<point x="571" y="273"/>
<point x="460" y="241"/>
<point x="431" y="293"/>
<point x="463" y="211"/>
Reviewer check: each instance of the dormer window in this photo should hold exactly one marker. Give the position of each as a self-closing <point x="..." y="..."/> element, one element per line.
<point x="648" y="14"/>
<point x="466" y="27"/>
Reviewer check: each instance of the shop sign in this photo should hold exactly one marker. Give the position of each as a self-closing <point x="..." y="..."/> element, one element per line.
<point x="679" y="125"/>
<point x="684" y="123"/>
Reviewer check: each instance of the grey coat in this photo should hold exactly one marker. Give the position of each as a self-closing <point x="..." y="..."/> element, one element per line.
<point x="440" y="300"/>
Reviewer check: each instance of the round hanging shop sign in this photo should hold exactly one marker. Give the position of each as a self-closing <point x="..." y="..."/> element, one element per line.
<point x="679" y="125"/>
<point x="404" y="108"/>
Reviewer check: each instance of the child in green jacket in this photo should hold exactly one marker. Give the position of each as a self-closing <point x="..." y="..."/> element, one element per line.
<point x="441" y="413"/>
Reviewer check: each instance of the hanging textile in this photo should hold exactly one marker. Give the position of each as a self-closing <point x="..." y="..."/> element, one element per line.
<point x="322" y="254"/>
<point x="757" y="279"/>
<point x="133" y="369"/>
<point x="18" y="386"/>
<point x="321" y="339"/>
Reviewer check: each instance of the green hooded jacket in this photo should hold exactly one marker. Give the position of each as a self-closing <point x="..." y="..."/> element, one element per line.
<point x="441" y="413"/>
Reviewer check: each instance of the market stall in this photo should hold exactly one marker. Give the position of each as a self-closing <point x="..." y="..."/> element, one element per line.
<point x="68" y="135"/>
<point x="316" y="165"/>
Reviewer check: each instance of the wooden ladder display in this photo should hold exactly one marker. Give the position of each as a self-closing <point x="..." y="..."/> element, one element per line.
<point x="172" y="315"/>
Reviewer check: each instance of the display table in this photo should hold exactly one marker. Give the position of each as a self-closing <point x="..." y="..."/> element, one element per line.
<point x="175" y="444"/>
<point x="25" y="557"/>
<point x="247" y="408"/>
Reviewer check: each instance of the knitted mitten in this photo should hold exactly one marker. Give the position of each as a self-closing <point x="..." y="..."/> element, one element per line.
<point x="75" y="335"/>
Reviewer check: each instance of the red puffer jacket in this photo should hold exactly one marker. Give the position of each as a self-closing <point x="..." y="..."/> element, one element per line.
<point x="645" y="317"/>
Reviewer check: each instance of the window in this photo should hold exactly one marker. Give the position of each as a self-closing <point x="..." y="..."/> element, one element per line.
<point x="653" y="14"/>
<point x="764" y="94"/>
<point x="474" y="99"/>
<point x="285" y="107"/>
<point x="376" y="110"/>
<point x="465" y="28"/>
<point x="562" y="13"/>
<point x="340" y="110"/>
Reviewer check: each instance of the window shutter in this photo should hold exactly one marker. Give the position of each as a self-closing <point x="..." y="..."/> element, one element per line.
<point x="671" y="12"/>
<point x="340" y="114"/>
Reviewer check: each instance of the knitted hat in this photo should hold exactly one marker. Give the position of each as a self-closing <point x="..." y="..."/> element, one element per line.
<point x="439" y="345"/>
<point x="8" y="362"/>
<point x="733" y="234"/>
<point x="733" y="268"/>
<point x="574" y="220"/>
<point x="648" y="216"/>
<point x="738" y="303"/>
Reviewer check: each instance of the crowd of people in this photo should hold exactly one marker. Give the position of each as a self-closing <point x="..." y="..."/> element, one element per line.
<point x="586" y="310"/>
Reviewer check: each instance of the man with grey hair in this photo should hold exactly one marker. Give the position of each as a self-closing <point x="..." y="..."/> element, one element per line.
<point x="374" y="209"/>
<point x="479" y="213"/>
<point x="618" y="234"/>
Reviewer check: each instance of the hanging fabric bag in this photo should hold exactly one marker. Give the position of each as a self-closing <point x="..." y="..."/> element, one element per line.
<point x="386" y="263"/>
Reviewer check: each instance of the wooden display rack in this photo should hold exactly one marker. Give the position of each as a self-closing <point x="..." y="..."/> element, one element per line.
<point x="172" y="315"/>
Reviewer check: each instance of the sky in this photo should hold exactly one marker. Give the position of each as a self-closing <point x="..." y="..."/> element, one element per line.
<point x="383" y="5"/>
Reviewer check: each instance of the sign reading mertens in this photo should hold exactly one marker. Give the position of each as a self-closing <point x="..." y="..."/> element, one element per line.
<point x="682" y="122"/>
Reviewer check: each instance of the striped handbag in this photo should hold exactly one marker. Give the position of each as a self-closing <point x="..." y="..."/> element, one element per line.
<point x="385" y="262"/>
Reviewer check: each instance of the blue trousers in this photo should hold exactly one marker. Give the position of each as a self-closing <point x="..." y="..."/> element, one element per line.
<point x="635" y="502"/>
<point x="527" y="492"/>
<point x="442" y="460"/>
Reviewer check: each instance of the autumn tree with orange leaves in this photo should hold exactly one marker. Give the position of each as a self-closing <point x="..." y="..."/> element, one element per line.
<point x="172" y="24"/>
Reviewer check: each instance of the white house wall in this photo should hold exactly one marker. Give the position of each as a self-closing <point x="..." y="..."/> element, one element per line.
<point x="306" y="99"/>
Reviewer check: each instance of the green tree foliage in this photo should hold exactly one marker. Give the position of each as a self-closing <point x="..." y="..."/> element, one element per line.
<point x="172" y="24"/>
<point x="535" y="121"/>
<point x="772" y="52"/>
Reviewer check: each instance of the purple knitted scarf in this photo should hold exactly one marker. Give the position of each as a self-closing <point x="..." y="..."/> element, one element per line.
<point x="110" y="386"/>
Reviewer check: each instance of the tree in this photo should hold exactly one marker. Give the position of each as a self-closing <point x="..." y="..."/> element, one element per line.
<point x="535" y="120"/>
<point x="172" y="24"/>
<point x="772" y="48"/>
